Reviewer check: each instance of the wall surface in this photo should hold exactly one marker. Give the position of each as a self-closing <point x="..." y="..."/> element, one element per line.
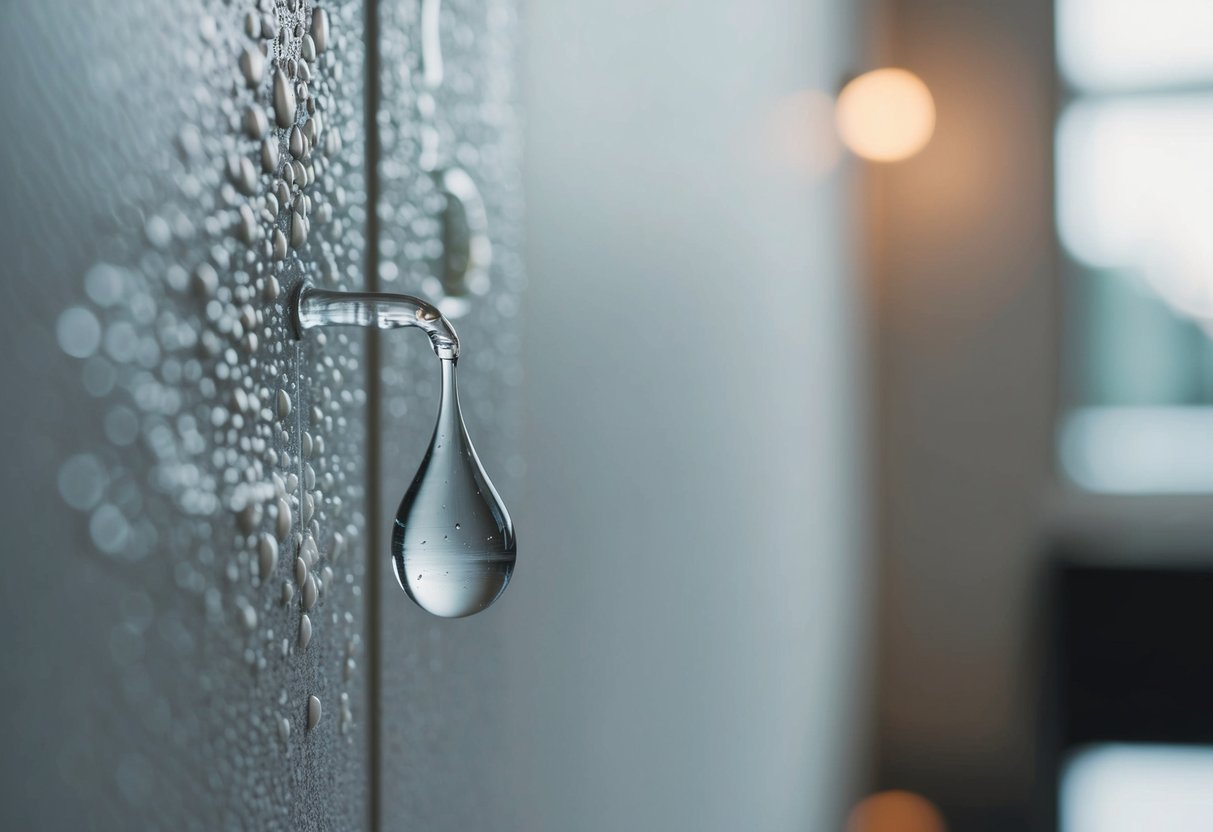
<point x="202" y="625"/>
<point x="184" y="604"/>
<point x="195" y="632"/>
<point x="685" y="628"/>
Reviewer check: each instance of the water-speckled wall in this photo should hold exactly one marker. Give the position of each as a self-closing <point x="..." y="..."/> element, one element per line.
<point x="190" y="601"/>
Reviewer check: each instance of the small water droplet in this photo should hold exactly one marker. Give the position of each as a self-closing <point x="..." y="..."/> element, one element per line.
<point x="78" y="332"/>
<point x="311" y="592"/>
<point x="313" y="712"/>
<point x="252" y="65"/>
<point x="320" y="29"/>
<point x="282" y="519"/>
<point x="82" y="481"/>
<point x="284" y="100"/>
<point x="267" y="551"/>
<point x="305" y="630"/>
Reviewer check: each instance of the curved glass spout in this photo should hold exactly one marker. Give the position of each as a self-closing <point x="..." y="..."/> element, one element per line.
<point x="320" y="307"/>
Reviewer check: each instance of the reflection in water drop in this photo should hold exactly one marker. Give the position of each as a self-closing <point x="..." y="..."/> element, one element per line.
<point x="453" y="543"/>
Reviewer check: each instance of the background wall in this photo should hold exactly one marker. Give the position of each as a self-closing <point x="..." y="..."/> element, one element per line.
<point x="686" y="624"/>
<point x="683" y="643"/>
<point x="967" y="299"/>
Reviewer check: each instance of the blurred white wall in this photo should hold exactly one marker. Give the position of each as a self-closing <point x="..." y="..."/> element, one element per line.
<point x="687" y="622"/>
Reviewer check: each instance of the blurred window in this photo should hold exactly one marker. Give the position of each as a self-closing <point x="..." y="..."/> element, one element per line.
<point x="1130" y="788"/>
<point x="1134" y="173"/>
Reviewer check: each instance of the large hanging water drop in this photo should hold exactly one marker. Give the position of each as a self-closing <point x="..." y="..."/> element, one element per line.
<point x="453" y="542"/>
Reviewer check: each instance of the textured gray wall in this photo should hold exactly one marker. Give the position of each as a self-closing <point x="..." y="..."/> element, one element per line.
<point x="680" y="646"/>
<point x="158" y="486"/>
<point x="174" y="451"/>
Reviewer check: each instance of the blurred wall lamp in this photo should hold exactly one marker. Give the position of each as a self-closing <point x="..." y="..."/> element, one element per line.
<point x="885" y="115"/>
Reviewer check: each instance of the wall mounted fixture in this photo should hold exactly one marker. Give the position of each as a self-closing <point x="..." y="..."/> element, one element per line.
<point x="453" y="542"/>
<point x="467" y="250"/>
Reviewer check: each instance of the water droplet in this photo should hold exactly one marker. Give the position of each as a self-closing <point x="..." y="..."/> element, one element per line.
<point x="78" y="332"/>
<point x="305" y="630"/>
<point x="467" y="571"/>
<point x="252" y="65"/>
<point x="282" y="519"/>
<point x="284" y="100"/>
<point x="104" y="284"/>
<point x="82" y="481"/>
<point x="279" y="244"/>
<point x="320" y="29"/>
<point x="295" y="142"/>
<point x="313" y="712"/>
<point x="284" y="404"/>
<point x="109" y="529"/>
<point x="298" y="229"/>
<point x="255" y="122"/>
<point x="311" y="592"/>
<point x="267" y="551"/>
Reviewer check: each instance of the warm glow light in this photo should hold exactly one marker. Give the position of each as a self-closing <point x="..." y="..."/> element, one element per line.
<point x="886" y="115"/>
<point x="895" y="811"/>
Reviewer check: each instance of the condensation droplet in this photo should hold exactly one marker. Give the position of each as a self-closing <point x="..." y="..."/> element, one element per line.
<point x="284" y="100"/>
<point x="320" y="28"/>
<point x="310" y="593"/>
<point x="82" y="481"/>
<point x="109" y="529"/>
<point x="78" y="331"/>
<point x="256" y="124"/>
<point x="282" y="519"/>
<point x="313" y="712"/>
<point x="267" y="551"/>
<point x="252" y="65"/>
